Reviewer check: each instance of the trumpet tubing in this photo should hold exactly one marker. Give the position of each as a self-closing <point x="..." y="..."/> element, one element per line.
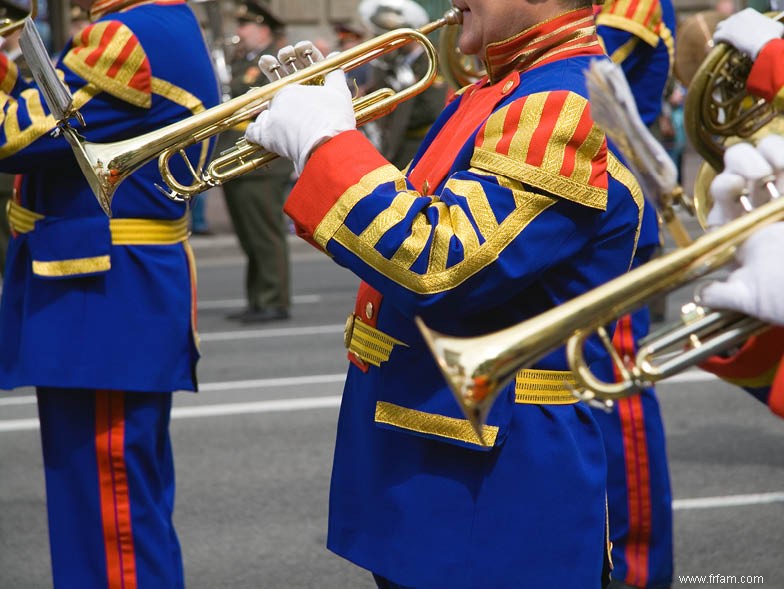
<point x="476" y="368"/>
<point x="106" y="165"/>
<point x="9" y="25"/>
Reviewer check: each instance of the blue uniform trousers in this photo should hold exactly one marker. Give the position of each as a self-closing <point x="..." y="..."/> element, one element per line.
<point x="110" y="489"/>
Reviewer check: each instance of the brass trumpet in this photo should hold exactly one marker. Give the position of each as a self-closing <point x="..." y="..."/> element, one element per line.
<point x="12" y="16"/>
<point x="106" y="165"/>
<point x="476" y="368"/>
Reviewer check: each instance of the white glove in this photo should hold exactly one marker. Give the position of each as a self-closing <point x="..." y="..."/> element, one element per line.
<point x="300" y="118"/>
<point x="746" y="170"/>
<point x="290" y="59"/>
<point x="748" y="31"/>
<point x="756" y="288"/>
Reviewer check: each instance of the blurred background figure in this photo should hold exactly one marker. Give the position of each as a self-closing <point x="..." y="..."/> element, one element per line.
<point x="399" y="134"/>
<point x="349" y="35"/>
<point x="671" y="130"/>
<point x="255" y="200"/>
<point x="80" y="18"/>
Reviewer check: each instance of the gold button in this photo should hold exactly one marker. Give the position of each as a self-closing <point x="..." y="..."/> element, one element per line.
<point x="369" y="310"/>
<point x="348" y="331"/>
<point x="507" y="86"/>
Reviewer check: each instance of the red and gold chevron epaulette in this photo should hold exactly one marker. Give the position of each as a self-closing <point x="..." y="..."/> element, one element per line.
<point x="109" y="55"/>
<point x="641" y="18"/>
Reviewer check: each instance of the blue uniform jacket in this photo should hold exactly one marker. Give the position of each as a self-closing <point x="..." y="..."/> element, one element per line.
<point x="86" y="304"/>
<point x="513" y="205"/>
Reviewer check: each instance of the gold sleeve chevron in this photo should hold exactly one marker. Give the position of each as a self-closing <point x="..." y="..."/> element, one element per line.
<point x="641" y="18"/>
<point x="108" y="55"/>
<point x="29" y="101"/>
<point x="470" y="236"/>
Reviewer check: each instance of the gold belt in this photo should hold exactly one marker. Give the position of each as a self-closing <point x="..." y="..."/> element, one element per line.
<point x="124" y="231"/>
<point x="545" y="387"/>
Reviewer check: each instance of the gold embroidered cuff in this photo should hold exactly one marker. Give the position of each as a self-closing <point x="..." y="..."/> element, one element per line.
<point x="434" y="424"/>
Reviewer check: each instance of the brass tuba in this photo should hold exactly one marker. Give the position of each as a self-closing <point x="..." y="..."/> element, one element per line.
<point x="719" y="111"/>
<point x="106" y="165"/>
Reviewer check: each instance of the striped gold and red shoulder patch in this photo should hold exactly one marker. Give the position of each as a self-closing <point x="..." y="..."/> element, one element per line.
<point x="548" y="140"/>
<point x="641" y="18"/>
<point x="110" y="56"/>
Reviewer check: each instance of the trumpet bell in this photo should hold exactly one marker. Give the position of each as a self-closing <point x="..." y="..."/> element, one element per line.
<point x="106" y="165"/>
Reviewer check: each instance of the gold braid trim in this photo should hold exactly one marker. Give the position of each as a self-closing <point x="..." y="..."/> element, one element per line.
<point x="433" y="424"/>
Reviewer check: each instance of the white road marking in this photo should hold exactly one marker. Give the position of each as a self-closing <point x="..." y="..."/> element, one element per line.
<point x="236" y="335"/>
<point x="728" y="501"/>
<point x="234" y="303"/>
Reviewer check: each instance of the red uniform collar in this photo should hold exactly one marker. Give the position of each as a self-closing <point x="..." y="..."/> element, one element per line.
<point x="569" y="34"/>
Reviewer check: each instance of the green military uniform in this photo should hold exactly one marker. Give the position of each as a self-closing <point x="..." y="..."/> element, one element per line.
<point x="402" y="131"/>
<point x="255" y="205"/>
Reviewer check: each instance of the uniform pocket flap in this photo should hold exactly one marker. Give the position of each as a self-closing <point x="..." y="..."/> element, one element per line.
<point x="67" y="247"/>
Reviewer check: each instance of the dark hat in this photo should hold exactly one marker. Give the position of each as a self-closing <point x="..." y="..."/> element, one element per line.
<point x="257" y="12"/>
<point x="12" y="11"/>
<point x="78" y="13"/>
<point x="347" y="31"/>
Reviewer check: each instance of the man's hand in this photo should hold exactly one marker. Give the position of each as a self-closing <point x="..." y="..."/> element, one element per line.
<point x="742" y="184"/>
<point x="300" y="118"/>
<point x="756" y="287"/>
<point x="748" y="31"/>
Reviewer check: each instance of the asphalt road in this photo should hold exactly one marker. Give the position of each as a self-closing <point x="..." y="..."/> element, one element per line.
<point x="253" y="452"/>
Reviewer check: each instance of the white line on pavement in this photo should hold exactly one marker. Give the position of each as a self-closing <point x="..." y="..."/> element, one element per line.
<point x="232" y="303"/>
<point x="256" y="407"/>
<point x="234" y="335"/>
<point x="234" y="385"/>
<point x="304" y="403"/>
<point x="728" y="501"/>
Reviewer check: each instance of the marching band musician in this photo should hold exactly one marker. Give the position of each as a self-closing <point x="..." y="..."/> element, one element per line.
<point x="100" y="315"/>
<point x="639" y="36"/>
<point x="513" y="204"/>
<point x="402" y="131"/>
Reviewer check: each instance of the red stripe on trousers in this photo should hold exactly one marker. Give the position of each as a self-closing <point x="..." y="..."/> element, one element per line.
<point x="635" y="450"/>
<point x="113" y="487"/>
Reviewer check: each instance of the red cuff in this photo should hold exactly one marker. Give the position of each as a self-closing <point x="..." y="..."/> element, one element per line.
<point x="767" y="76"/>
<point x="760" y="354"/>
<point x="9" y="74"/>
<point x="332" y="169"/>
